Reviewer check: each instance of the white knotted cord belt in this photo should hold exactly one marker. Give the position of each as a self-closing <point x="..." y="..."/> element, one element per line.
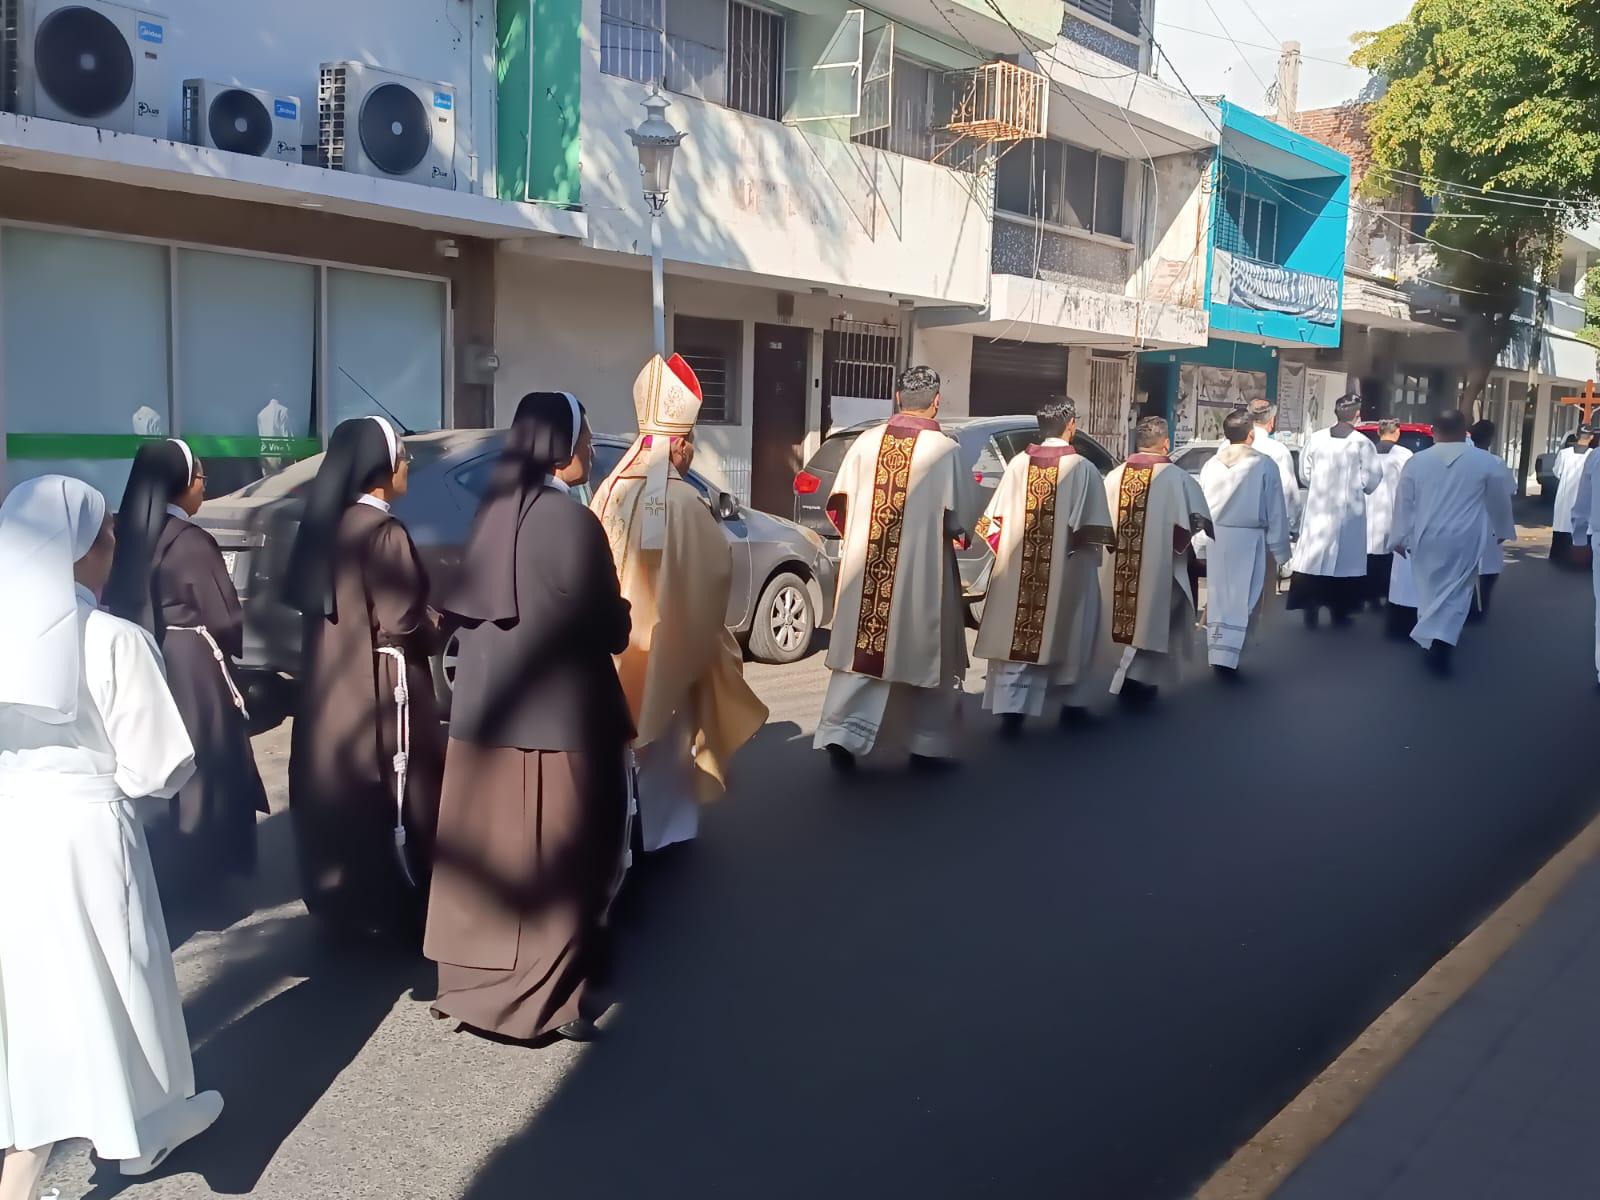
<point x="402" y="756"/>
<point x="222" y="664"/>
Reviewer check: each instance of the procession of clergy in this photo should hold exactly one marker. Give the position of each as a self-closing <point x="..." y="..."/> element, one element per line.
<point x="597" y="689"/>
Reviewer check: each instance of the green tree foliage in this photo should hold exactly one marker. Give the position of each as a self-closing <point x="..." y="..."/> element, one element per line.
<point x="1502" y="96"/>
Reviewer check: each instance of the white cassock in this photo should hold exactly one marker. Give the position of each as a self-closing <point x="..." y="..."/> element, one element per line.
<point x="897" y="652"/>
<point x="1568" y="470"/>
<point x="1380" y="504"/>
<point x="1156" y="510"/>
<point x="92" y="1039"/>
<point x="1492" y="560"/>
<point x="1283" y="460"/>
<point x="1046" y="524"/>
<point x="1339" y="473"/>
<point x="1586" y="531"/>
<point x="1245" y="496"/>
<point x="1447" y="492"/>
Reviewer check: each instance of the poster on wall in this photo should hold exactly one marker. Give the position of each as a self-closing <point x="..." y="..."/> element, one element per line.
<point x="1322" y="389"/>
<point x="1291" y="400"/>
<point x="1208" y="394"/>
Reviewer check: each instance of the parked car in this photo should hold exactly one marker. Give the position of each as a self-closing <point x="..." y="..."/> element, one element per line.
<point x="783" y="580"/>
<point x="1196" y="455"/>
<point x="1413" y="437"/>
<point x="987" y="445"/>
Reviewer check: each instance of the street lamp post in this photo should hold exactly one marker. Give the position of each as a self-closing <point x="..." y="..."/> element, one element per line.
<point x="656" y="141"/>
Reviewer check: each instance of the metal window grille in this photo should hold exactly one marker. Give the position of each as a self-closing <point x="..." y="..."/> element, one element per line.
<point x="755" y="61"/>
<point x="1122" y="14"/>
<point x="1106" y="420"/>
<point x="1248" y="225"/>
<point x="865" y="359"/>
<point x="713" y="351"/>
<point x="910" y="128"/>
<point x="631" y="39"/>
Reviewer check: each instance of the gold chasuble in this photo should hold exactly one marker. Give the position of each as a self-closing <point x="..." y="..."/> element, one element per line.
<point x="676" y="568"/>
<point x="1156" y="509"/>
<point x="1046" y="525"/>
<point x="896" y="501"/>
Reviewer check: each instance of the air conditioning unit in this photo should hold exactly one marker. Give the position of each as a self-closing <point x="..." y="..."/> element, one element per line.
<point x="85" y="61"/>
<point x="224" y="116"/>
<point x="376" y="122"/>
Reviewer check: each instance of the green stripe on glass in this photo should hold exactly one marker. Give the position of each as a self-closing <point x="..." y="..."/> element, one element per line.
<point x="126" y="445"/>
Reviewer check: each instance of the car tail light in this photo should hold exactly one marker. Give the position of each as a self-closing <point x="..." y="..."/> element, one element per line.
<point x="806" y="484"/>
<point x="977" y="477"/>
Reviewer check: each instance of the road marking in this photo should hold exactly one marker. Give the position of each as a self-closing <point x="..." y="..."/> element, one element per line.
<point x="1263" y="1163"/>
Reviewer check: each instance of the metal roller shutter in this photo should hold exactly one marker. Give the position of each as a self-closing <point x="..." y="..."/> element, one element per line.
<point x="1015" y="377"/>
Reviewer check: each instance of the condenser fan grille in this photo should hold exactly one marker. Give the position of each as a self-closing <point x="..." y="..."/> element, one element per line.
<point x="239" y="122"/>
<point x="83" y="62"/>
<point x="394" y="128"/>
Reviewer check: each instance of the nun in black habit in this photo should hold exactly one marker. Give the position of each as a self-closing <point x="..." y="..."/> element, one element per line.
<point x="169" y="577"/>
<point x="367" y="752"/>
<point x="533" y="822"/>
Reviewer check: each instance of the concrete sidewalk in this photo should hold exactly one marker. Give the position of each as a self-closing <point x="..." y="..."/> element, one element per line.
<point x="1501" y="1097"/>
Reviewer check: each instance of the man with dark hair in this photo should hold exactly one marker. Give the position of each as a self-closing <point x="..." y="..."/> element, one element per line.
<point x="1340" y="470"/>
<point x="1493" y="560"/>
<point x="1392" y="458"/>
<point x="1568" y="470"/>
<point x="1449" y="493"/>
<point x="1156" y="509"/>
<point x="1046" y="526"/>
<point x="1246" y="500"/>
<point x="898" y="640"/>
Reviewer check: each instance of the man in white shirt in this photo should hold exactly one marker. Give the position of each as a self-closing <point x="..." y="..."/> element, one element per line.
<point x="1340" y="468"/>
<point x="1392" y="458"/>
<point x="1265" y="416"/>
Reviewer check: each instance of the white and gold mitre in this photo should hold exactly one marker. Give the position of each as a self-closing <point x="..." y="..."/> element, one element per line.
<point x="666" y="397"/>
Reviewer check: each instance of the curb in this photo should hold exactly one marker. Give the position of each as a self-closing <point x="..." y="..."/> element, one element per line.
<point x="1259" y="1166"/>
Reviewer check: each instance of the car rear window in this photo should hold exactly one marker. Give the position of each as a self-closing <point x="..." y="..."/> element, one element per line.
<point x="297" y="476"/>
<point x="1194" y="461"/>
<point x="830" y="454"/>
<point x="1416" y="441"/>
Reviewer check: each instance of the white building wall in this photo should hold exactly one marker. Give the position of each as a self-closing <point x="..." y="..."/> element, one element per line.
<point x="279" y="47"/>
<point x="584" y="327"/>
<point x="950" y="354"/>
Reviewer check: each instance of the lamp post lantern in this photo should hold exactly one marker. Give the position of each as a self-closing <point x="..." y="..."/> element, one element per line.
<point x="656" y="141"/>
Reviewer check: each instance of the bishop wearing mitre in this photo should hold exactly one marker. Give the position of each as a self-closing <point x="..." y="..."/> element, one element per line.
<point x="1156" y="509"/>
<point x="682" y="671"/>
<point x="898" y="651"/>
<point x="1046" y="525"/>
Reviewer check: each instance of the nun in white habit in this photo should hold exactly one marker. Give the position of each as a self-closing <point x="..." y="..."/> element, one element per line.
<point x="92" y="1039"/>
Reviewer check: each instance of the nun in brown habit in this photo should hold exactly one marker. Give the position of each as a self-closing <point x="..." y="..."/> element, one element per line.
<point x="367" y="754"/>
<point x="168" y="576"/>
<point x="533" y="822"/>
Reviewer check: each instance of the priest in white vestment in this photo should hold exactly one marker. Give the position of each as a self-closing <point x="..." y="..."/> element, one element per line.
<point x="1046" y="525"/>
<point x="1156" y="511"/>
<point x="1447" y="492"/>
<point x="92" y="1038"/>
<point x="1392" y="458"/>
<point x="1492" y="563"/>
<point x="1340" y="469"/>
<point x="1586" y="532"/>
<point x="1265" y="416"/>
<point x="682" y="671"/>
<point x="898" y="649"/>
<point x="1245" y="496"/>
<point x="1568" y="470"/>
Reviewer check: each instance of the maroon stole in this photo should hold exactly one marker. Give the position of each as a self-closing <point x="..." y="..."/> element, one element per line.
<point x="891" y="483"/>
<point x="1133" y="502"/>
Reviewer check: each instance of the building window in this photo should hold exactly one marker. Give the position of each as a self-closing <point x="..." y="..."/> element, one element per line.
<point x="1249" y="227"/>
<point x="385" y="340"/>
<point x="1120" y="14"/>
<point x="909" y="130"/>
<point x="714" y="350"/>
<point x="1410" y="393"/>
<point x="1065" y="184"/>
<point x="719" y="50"/>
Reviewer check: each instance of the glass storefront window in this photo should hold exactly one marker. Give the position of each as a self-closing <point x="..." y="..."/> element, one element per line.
<point x="386" y="337"/>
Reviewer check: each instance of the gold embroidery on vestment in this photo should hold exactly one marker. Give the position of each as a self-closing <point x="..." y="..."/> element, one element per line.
<point x="1133" y="500"/>
<point x="891" y="482"/>
<point x="1038" y="547"/>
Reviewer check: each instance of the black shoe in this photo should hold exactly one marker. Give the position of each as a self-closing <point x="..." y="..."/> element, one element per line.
<point x="1225" y="674"/>
<point x="1439" y="658"/>
<point x="840" y="759"/>
<point x="581" y="1030"/>
<point x="1342" y="620"/>
<point x="1136" y="695"/>
<point x="927" y="764"/>
<point x="1011" y="726"/>
<point x="1311" y="617"/>
<point x="1074" y="717"/>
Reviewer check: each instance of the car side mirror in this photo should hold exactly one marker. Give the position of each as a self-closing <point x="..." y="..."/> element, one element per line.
<point x="727" y="508"/>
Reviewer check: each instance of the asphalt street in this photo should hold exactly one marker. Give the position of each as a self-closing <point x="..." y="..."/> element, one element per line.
<point x="1087" y="965"/>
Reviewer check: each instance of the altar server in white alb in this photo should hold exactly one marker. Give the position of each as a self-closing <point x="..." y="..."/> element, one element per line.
<point x="92" y="1039"/>
<point x="1047" y="525"/>
<point x="1492" y="562"/>
<point x="1447" y="493"/>
<point x="1586" y="532"/>
<point x="1568" y="470"/>
<point x="1156" y="510"/>
<point x="898" y="651"/>
<point x="1265" y="416"/>
<point x="1392" y="458"/>
<point x="1245" y="496"/>
<point x="1339" y="467"/>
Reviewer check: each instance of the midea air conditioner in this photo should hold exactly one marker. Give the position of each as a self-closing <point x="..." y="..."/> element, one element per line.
<point x="87" y="62"/>
<point x="223" y="116"/>
<point x="375" y="122"/>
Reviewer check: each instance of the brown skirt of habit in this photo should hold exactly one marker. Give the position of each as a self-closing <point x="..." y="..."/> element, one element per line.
<point x="529" y="848"/>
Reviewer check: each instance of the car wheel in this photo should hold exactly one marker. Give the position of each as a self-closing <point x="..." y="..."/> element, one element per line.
<point x="444" y="673"/>
<point x="784" y="622"/>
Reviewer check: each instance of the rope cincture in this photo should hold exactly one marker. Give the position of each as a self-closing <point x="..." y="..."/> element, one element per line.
<point x="222" y="664"/>
<point x="402" y="757"/>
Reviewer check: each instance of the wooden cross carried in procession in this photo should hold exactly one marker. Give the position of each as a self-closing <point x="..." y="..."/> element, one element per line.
<point x="1588" y="398"/>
